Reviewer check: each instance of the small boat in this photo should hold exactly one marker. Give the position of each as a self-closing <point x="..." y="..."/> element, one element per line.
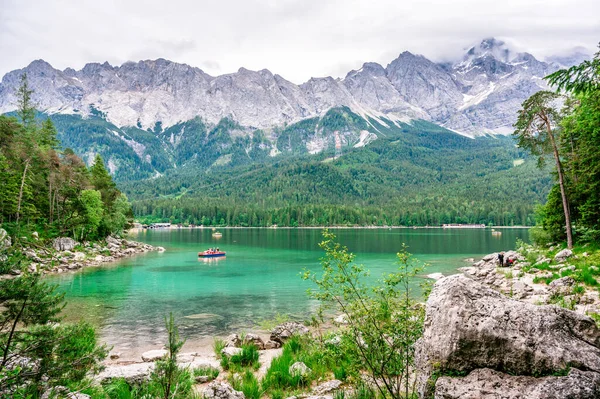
<point x="217" y="234"/>
<point x="211" y="253"/>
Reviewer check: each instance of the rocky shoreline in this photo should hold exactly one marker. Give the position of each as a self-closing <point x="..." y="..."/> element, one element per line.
<point x="529" y="283"/>
<point x="67" y="255"/>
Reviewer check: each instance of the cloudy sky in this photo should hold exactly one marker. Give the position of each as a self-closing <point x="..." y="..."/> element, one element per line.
<point x="294" y="38"/>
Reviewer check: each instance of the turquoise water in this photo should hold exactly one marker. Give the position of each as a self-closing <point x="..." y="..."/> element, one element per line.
<point x="259" y="278"/>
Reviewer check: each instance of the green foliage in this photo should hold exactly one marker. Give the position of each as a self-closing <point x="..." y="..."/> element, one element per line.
<point x="384" y="322"/>
<point x="579" y="148"/>
<point x="579" y="79"/>
<point x="31" y="346"/>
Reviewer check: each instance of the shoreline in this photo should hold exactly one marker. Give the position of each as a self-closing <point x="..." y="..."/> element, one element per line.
<point x="66" y="255"/>
<point x="175" y="227"/>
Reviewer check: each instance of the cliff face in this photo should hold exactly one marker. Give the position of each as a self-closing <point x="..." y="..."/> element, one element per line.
<point x="480" y="94"/>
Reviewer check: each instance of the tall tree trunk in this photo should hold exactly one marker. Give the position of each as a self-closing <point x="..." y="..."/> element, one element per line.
<point x="561" y="183"/>
<point x="21" y="190"/>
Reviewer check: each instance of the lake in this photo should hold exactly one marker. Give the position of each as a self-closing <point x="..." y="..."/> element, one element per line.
<point x="259" y="278"/>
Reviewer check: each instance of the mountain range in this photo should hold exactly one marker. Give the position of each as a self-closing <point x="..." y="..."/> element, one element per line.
<point x="150" y="116"/>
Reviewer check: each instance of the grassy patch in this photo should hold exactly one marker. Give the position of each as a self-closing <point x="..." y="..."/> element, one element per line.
<point x="218" y="346"/>
<point x="248" y="357"/>
<point x="248" y="384"/>
<point x="209" y="371"/>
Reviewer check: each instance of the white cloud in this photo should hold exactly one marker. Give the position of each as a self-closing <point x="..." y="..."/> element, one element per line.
<point x="294" y="38"/>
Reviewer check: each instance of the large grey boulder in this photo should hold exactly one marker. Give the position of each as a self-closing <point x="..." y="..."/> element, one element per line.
<point x="470" y="326"/>
<point x="64" y="244"/>
<point x="563" y="255"/>
<point x="284" y="331"/>
<point x="134" y="374"/>
<point x="221" y="390"/>
<point x="5" y="241"/>
<point x="490" y="384"/>
<point x="255" y="340"/>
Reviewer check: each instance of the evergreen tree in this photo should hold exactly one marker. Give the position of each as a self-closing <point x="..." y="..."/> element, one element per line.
<point x="536" y="130"/>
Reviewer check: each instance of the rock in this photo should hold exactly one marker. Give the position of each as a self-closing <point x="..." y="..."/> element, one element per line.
<point x="233" y="341"/>
<point x="327" y="387"/>
<point x="221" y="390"/>
<point x="470" y="326"/>
<point x="254" y="339"/>
<point x="284" y="331"/>
<point x="115" y="355"/>
<point x="335" y="340"/>
<point x="299" y="369"/>
<point x="154" y="355"/>
<point x="563" y="255"/>
<point x="5" y="241"/>
<point x="64" y="244"/>
<point x="78" y="256"/>
<point x="231" y="351"/>
<point x="272" y="344"/>
<point x="113" y="240"/>
<point x="435" y="276"/>
<point x="32" y="255"/>
<point x="186" y="357"/>
<point x="490" y="384"/>
<point x="341" y="319"/>
<point x="134" y="374"/>
<point x="160" y="249"/>
<point x="562" y="286"/>
<point x="35" y="235"/>
<point x="202" y="379"/>
<point x="570" y="268"/>
<point x="490" y="257"/>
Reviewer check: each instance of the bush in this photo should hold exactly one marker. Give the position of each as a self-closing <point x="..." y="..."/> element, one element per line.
<point x="385" y="318"/>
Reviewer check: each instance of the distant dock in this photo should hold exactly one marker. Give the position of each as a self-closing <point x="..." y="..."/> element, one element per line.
<point x="463" y="226"/>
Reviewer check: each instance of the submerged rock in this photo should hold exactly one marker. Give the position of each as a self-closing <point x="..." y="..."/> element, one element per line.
<point x="470" y="326"/>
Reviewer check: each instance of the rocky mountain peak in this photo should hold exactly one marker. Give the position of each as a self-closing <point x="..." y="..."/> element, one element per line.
<point x="480" y="94"/>
<point x="490" y="47"/>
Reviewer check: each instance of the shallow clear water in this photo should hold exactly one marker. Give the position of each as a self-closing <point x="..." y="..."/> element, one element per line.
<point x="259" y="278"/>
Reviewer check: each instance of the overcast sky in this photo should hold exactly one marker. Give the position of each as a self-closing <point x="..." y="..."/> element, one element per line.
<point x="294" y="38"/>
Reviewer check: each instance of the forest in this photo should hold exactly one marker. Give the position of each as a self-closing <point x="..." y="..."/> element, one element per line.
<point x="50" y="190"/>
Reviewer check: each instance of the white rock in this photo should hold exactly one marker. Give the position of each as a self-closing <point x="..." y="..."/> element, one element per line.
<point x="153" y="355"/>
<point x="563" y="255"/>
<point x="299" y="369"/>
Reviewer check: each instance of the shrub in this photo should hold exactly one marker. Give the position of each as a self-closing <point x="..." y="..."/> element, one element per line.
<point x="385" y="318"/>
